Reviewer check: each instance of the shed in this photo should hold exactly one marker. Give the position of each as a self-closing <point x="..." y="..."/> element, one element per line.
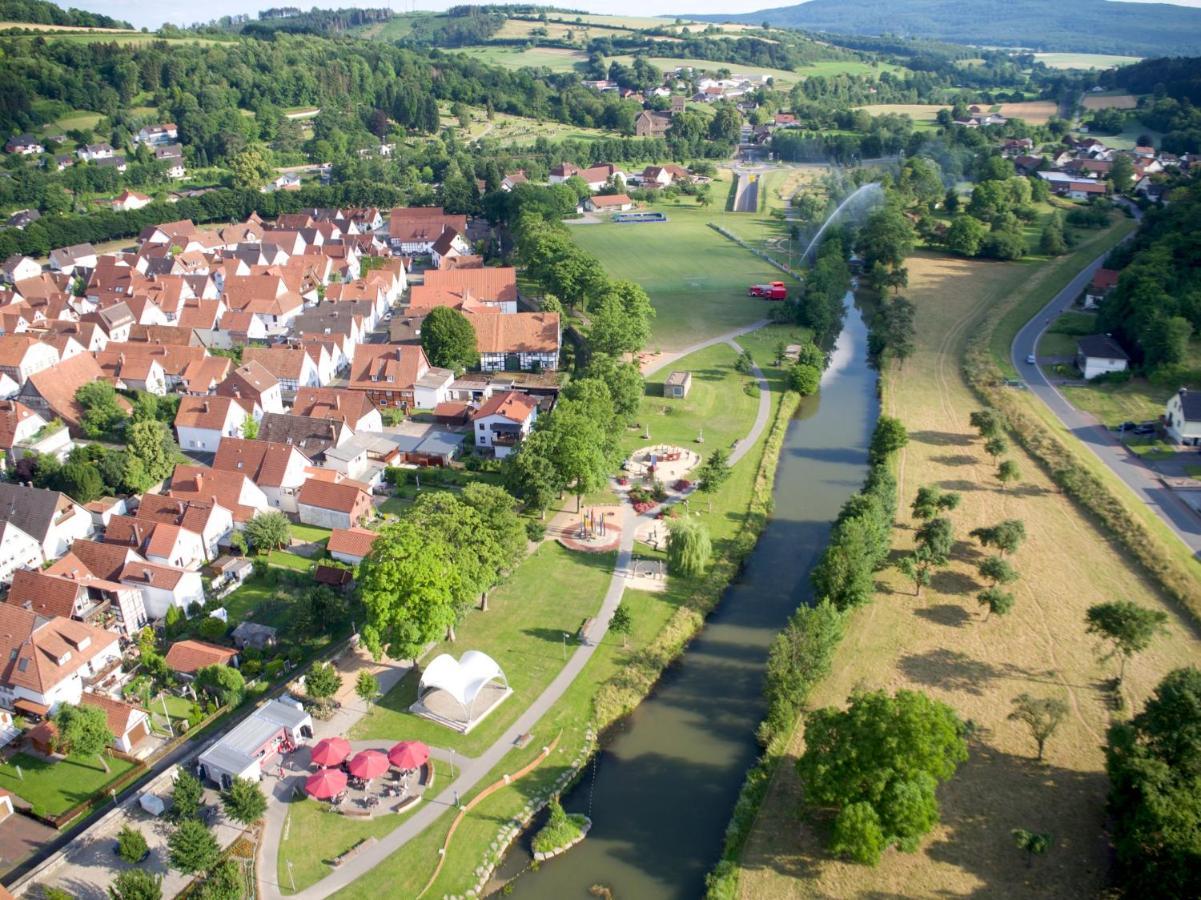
<point x="252" y="634"/>
<point x="677" y="385"/>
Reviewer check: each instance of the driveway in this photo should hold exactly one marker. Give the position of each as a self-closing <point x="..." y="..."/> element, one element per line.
<point x="1141" y="479"/>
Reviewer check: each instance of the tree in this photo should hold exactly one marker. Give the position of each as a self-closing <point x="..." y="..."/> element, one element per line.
<point x="997" y="571"/>
<point x="745" y="363"/>
<point x="251" y="168"/>
<point x="498" y="511"/>
<point x="1127" y="627"/>
<point x="151" y="444"/>
<point x="995" y="600"/>
<point x="1052" y="242"/>
<point x="897" y="327"/>
<point x="714" y="471"/>
<point x="366" y="688"/>
<point x="966" y="235"/>
<point x="581" y="444"/>
<point x="530" y="473"/>
<point x="223" y="682"/>
<point x="889" y="436"/>
<point x="83" y="731"/>
<point x="80" y="481"/>
<point x="269" y="531"/>
<point x="244" y="801"/>
<point x="1006" y="536"/>
<point x="995" y="446"/>
<point x="136" y="884"/>
<point x="688" y="548"/>
<point x="224" y="882"/>
<point x="322" y="681"/>
<point x="410" y="588"/>
<point x="448" y="339"/>
<point x="887" y="753"/>
<point x="622" y="322"/>
<point x="625" y="383"/>
<point x="1041" y="715"/>
<point x="1121" y="172"/>
<point x="937" y="537"/>
<point x="918" y="565"/>
<point x="250" y="428"/>
<point x="622" y="623"/>
<point x="804" y="379"/>
<point x="192" y="848"/>
<point x="987" y="422"/>
<point x="1033" y="843"/>
<point x="858" y="835"/>
<point x="131" y="844"/>
<point x="1008" y="472"/>
<point x="930" y="501"/>
<point x="1154" y="762"/>
<point x="185" y="797"/>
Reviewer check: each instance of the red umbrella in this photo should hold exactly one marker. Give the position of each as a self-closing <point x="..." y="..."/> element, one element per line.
<point x="325" y="784"/>
<point x="368" y="764"/>
<point x="409" y="755"/>
<point x="330" y="751"/>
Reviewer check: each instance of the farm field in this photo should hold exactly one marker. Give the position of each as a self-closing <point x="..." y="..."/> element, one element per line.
<point x="45" y="26"/>
<point x="940" y="644"/>
<point x="1032" y="112"/>
<point x="554" y="58"/>
<point x="847" y="67"/>
<point x="781" y="76"/>
<point x="1109" y="100"/>
<point x="523" y="28"/>
<point x="696" y="278"/>
<point x="1084" y="60"/>
<point x="924" y="115"/>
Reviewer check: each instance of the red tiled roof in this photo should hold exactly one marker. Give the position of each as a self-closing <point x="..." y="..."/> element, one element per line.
<point x="46" y="595"/>
<point x="351" y="541"/>
<point x="516" y="332"/>
<point x="512" y="405"/>
<point x="263" y="462"/>
<point x="189" y="657"/>
<point x="39" y="656"/>
<point x="122" y="717"/>
<point x="341" y="497"/>
<point x="207" y="412"/>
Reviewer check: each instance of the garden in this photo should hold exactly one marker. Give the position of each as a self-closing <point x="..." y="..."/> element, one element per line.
<point x="54" y="786"/>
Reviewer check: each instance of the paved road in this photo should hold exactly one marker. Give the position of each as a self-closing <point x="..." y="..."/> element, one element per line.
<point x="1096" y="437"/>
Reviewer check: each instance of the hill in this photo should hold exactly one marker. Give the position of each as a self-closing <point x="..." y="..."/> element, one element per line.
<point x="39" y="12"/>
<point x="1085" y="26"/>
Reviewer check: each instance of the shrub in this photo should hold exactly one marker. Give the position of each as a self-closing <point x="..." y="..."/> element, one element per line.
<point x="535" y="530"/>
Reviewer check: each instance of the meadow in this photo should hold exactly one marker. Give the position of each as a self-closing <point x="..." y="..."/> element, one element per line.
<point x="1109" y="100"/>
<point x="939" y="643"/>
<point x="1032" y="112"/>
<point x="1084" y="60"/>
<point x="554" y="58"/>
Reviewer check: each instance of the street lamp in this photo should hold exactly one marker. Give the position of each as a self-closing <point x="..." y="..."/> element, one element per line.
<point x="291" y="877"/>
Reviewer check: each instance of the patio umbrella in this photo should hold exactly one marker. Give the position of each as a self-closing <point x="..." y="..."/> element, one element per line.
<point x="409" y="755"/>
<point x="331" y="751"/>
<point x="325" y="784"/>
<point x="368" y="764"/>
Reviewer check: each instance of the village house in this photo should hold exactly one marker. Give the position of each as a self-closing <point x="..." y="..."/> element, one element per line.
<point x="128" y="200"/>
<point x="18" y="268"/>
<point x="292" y="367"/>
<point x="311" y="436"/>
<point x="129" y="724"/>
<point x="652" y="124"/>
<point x="207" y="518"/>
<point x="1104" y="281"/>
<point x="232" y="490"/>
<point x="608" y="203"/>
<point x="49" y="662"/>
<point x="202" y="422"/>
<point x="345" y="504"/>
<point x="1182" y="417"/>
<point x="350" y="407"/>
<point x="278" y="469"/>
<point x="79" y="596"/>
<point x="22" y="355"/>
<point x="166" y="133"/>
<point x="67" y="259"/>
<point x="503" y="421"/>
<point x="25" y="145"/>
<point x="252" y="384"/>
<point x="37" y="526"/>
<point x="491" y="287"/>
<point x="186" y="658"/>
<point x="596" y="177"/>
<point x="388" y="374"/>
<point x="415" y="230"/>
<point x="517" y="342"/>
<point x="21" y="425"/>
<point x="159" y="542"/>
<point x="1100" y="354"/>
<point x="51" y="392"/>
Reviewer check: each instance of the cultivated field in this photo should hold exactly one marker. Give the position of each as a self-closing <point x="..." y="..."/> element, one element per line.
<point x="1109" y="101"/>
<point x="847" y="67"/>
<point x="554" y="58"/>
<point x="1084" y="60"/>
<point x="781" y="76"/>
<point x="939" y="644"/>
<point x="923" y="114"/>
<point x="1032" y="112"/>
<point x="523" y="28"/>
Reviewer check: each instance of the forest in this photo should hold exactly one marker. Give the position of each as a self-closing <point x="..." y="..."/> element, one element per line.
<point x="41" y="12"/>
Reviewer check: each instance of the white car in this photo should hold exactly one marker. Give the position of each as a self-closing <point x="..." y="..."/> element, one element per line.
<point x="1030" y="359"/>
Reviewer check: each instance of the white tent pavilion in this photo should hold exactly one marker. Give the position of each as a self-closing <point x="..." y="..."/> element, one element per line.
<point x="460" y="693"/>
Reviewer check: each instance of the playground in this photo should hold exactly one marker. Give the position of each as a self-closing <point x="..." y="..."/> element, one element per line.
<point x="595" y="529"/>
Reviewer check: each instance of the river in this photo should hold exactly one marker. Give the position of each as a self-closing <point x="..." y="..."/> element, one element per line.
<point x="664" y="784"/>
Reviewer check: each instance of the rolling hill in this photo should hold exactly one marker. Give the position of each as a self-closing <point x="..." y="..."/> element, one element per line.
<point x="1084" y="26"/>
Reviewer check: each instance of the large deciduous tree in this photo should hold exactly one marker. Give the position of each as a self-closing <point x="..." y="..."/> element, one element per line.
<point x="83" y="731"/>
<point x="1127" y="627"/>
<point x="449" y="339"/>
<point x="688" y="547"/>
<point x="269" y="530"/>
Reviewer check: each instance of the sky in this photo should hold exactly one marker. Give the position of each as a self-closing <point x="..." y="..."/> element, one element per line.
<point x="184" y="12"/>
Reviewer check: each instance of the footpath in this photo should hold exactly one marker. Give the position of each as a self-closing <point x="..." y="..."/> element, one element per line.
<point x="473" y="770"/>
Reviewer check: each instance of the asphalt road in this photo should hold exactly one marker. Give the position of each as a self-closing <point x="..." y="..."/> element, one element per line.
<point x="1095" y="436"/>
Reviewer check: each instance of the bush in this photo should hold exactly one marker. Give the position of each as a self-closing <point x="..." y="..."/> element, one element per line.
<point x="131" y="845"/>
<point x="535" y="530"/>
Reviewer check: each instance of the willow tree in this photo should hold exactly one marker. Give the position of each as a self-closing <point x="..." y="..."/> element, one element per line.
<point x="688" y="548"/>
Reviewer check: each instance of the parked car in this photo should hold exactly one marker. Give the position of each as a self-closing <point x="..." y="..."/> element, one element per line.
<point x="1126" y="426"/>
<point x="1146" y="428"/>
<point x="1030" y="359"/>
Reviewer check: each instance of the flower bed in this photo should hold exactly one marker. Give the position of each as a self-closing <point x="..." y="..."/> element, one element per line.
<point x="681" y="484"/>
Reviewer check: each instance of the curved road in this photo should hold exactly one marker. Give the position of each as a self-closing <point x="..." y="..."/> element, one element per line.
<point x="1145" y="483"/>
<point x="472" y="771"/>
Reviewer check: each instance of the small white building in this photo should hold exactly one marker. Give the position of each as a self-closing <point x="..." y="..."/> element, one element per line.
<point x="274" y="727"/>
<point x="1100" y="354"/>
<point x="1182" y="417"/>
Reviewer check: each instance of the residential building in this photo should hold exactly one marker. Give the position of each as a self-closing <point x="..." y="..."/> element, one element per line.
<point x="208" y="518"/>
<point x="353" y="408"/>
<point x="159" y="542"/>
<point x="350" y="545"/>
<point x="202" y="422"/>
<point x="22" y="355"/>
<point x="154" y="135"/>
<point x="328" y="504"/>
<point x="186" y="658"/>
<point x="278" y="469"/>
<point x="18" y="268"/>
<point x="415" y="230"/>
<point x="253" y="384"/>
<point x="503" y="421"/>
<point x="608" y="203"/>
<point x="47" y="662"/>
<point x="292" y="367"/>
<point x="38" y="526"/>
<point x="522" y="341"/>
<point x="232" y="490"/>
<point x="1100" y="354"/>
<point x="1182" y="417"/>
<point x="67" y="259"/>
<point x="129" y="724"/>
<point x="387" y="373"/>
<point x="51" y="392"/>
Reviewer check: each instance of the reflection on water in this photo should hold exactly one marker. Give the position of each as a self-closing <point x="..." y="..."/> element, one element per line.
<point x="666" y="781"/>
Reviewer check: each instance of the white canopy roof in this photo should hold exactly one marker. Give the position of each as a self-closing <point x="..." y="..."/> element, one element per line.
<point x="463" y="678"/>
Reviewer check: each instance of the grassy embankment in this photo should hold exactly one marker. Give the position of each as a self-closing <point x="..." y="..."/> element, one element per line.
<point x="940" y="644"/>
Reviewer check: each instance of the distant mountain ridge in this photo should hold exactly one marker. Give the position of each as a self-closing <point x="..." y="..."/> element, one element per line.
<point x="1081" y="26"/>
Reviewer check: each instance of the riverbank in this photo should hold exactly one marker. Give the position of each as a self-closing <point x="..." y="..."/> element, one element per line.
<point x="940" y="644"/>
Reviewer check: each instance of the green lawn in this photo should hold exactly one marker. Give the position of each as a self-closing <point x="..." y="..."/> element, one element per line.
<point x="294" y="561"/>
<point x="696" y="278"/>
<point x="552" y="592"/>
<point x="1151" y="449"/>
<point x="1060" y="339"/>
<point x="315" y="835"/>
<point x="553" y="58"/>
<point x="52" y="788"/>
<point x="830" y="67"/>
<point x="716" y="403"/>
<point x="80" y="119"/>
<point x="310" y="534"/>
<point x="1136" y="401"/>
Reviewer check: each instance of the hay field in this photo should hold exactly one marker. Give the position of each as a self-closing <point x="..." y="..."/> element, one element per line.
<point x="923" y="114"/>
<point x="939" y="644"/>
<point x="554" y="58"/>
<point x="1084" y="60"/>
<point x="1109" y="101"/>
<point x="1032" y="112"/>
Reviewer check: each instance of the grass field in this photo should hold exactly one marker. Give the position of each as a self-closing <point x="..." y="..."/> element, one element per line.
<point x="1109" y="100"/>
<point x="781" y="76"/>
<point x="558" y="31"/>
<point x="921" y="113"/>
<point x="1136" y="401"/>
<point x="550" y="594"/>
<point x="939" y="644"/>
<point x="520" y="130"/>
<point x="78" y="120"/>
<point x="847" y="67"/>
<point x="52" y="788"/>
<point x="554" y="58"/>
<point x="1084" y="60"/>
<point x="696" y="278"/>
<point x="1060" y="339"/>
<point x="1032" y="112"/>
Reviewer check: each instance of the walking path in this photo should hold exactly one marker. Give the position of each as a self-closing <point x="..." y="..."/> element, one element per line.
<point x="1141" y="479"/>
<point x="474" y="770"/>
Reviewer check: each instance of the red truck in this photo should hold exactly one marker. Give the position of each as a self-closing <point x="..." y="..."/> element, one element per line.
<point x="773" y="291"/>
